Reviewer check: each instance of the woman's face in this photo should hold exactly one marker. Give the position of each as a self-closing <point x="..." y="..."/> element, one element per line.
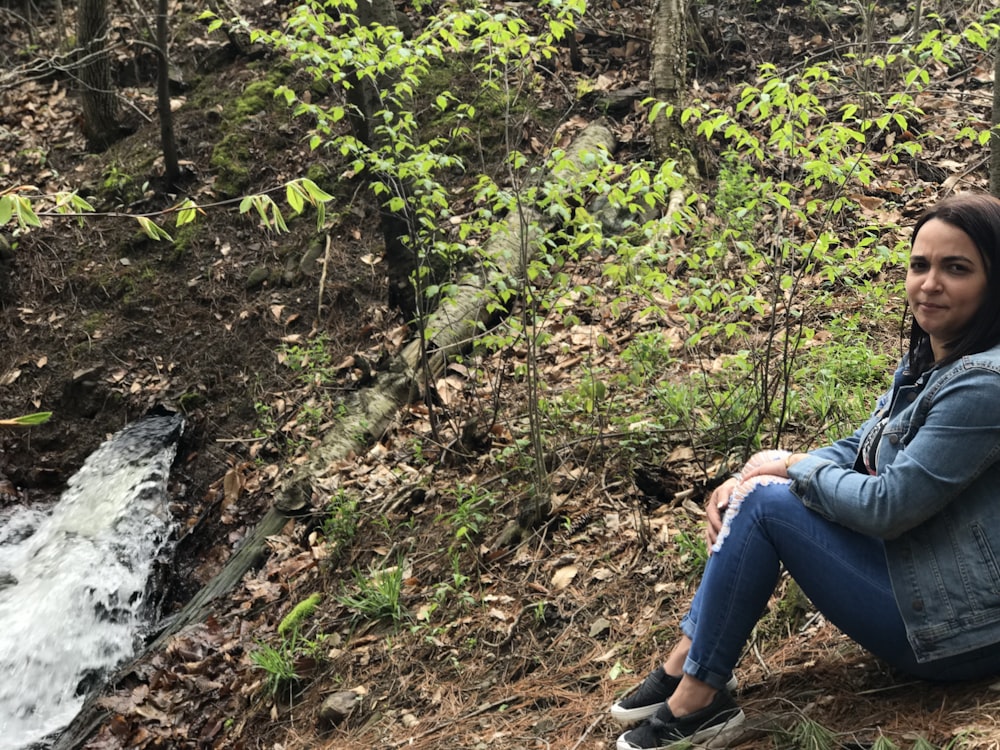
<point x="945" y="282"/>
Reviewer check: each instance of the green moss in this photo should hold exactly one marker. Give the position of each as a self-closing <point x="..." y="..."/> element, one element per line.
<point x="184" y="237"/>
<point x="255" y="98"/>
<point x="93" y="322"/>
<point x="230" y="160"/>
<point x="484" y="142"/>
<point x="189" y="402"/>
<point x="304" y="609"/>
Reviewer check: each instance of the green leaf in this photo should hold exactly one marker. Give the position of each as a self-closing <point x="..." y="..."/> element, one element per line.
<point x="79" y="203"/>
<point x="277" y="220"/>
<point x="315" y="191"/>
<point x="40" y="417"/>
<point x="294" y="197"/>
<point x="187" y="212"/>
<point x="152" y="230"/>
<point x="6" y="209"/>
<point x="25" y="214"/>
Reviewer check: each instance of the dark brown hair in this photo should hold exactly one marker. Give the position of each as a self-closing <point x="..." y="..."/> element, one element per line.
<point x="978" y="215"/>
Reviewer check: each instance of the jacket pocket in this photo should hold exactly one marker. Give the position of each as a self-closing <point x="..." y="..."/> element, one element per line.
<point x="986" y="552"/>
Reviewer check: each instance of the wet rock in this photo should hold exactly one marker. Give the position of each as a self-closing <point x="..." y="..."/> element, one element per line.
<point x="84" y="395"/>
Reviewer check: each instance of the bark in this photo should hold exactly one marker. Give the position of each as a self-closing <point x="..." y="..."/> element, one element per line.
<point x="668" y="79"/>
<point x="97" y="97"/>
<point x="168" y="143"/>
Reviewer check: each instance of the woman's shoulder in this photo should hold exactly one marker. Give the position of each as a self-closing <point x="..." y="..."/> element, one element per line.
<point x="984" y="365"/>
<point x="987" y="358"/>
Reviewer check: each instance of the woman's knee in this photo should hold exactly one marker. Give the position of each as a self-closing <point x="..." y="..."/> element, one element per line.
<point x="765" y="490"/>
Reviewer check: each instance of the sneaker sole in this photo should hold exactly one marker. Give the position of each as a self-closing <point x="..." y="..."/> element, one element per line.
<point x="641" y="713"/>
<point x="713" y="738"/>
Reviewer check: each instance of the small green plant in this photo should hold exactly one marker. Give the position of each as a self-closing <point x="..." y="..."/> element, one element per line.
<point x="377" y="595"/>
<point x="648" y="356"/>
<point x="279" y="665"/>
<point x="472" y="506"/>
<point x="884" y="743"/>
<point x="809" y="734"/>
<point x="311" y="362"/>
<point x="265" y="420"/>
<point x="290" y="624"/>
<point x="282" y="662"/>
<point x="341" y="522"/>
<point x="692" y="553"/>
<point x="27" y="420"/>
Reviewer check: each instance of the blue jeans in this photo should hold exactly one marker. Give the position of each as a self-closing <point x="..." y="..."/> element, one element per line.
<point x="844" y="574"/>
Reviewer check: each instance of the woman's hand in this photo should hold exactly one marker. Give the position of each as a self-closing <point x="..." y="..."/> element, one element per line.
<point x="715" y="508"/>
<point x="776" y="468"/>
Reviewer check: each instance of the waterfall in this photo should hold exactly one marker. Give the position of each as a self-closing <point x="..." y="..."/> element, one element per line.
<point x="73" y="580"/>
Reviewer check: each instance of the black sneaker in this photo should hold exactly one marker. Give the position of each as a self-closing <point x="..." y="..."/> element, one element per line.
<point x="715" y="726"/>
<point x="644" y="700"/>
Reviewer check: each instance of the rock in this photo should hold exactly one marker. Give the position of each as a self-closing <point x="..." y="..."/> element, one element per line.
<point x="409" y="720"/>
<point x="85" y="394"/>
<point x="600" y="626"/>
<point x="338" y="707"/>
<point x="310" y="260"/>
<point x="257" y="277"/>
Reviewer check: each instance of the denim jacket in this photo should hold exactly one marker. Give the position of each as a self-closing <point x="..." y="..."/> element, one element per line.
<point x="934" y="499"/>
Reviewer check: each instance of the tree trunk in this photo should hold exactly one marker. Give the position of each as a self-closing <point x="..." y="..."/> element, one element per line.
<point x="400" y="258"/>
<point x="668" y="77"/>
<point x="100" y="106"/>
<point x="172" y="170"/>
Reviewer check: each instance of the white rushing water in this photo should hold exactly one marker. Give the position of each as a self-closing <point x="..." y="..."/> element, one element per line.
<point x="73" y="580"/>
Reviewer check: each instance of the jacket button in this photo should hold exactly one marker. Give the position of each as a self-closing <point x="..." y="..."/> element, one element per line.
<point x="893" y="439"/>
<point x="918" y="605"/>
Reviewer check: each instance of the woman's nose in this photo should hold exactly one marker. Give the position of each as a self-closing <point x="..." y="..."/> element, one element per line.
<point x="932" y="281"/>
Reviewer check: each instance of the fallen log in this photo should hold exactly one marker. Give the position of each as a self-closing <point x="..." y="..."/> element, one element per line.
<point x="452" y="326"/>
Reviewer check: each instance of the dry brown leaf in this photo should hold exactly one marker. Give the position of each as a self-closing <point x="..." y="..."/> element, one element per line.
<point x="564" y="577"/>
<point x="232" y="485"/>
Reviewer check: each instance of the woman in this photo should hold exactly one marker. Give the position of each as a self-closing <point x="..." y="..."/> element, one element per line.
<point x="893" y="533"/>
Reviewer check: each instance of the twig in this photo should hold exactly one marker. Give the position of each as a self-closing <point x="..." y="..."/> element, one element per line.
<point x="587" y="731"/>
<point x="322" y="279"/>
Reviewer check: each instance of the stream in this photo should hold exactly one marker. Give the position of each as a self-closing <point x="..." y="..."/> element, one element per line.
<point x="74" y="578"/>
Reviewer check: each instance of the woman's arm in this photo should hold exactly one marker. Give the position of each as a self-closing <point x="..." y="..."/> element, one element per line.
<point x="958" y="440"/>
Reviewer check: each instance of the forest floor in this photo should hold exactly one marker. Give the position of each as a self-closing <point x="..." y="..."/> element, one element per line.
<point x="493" y="648"/>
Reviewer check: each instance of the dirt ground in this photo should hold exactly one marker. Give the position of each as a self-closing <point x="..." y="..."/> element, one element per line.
<point x="98" y="324"/>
